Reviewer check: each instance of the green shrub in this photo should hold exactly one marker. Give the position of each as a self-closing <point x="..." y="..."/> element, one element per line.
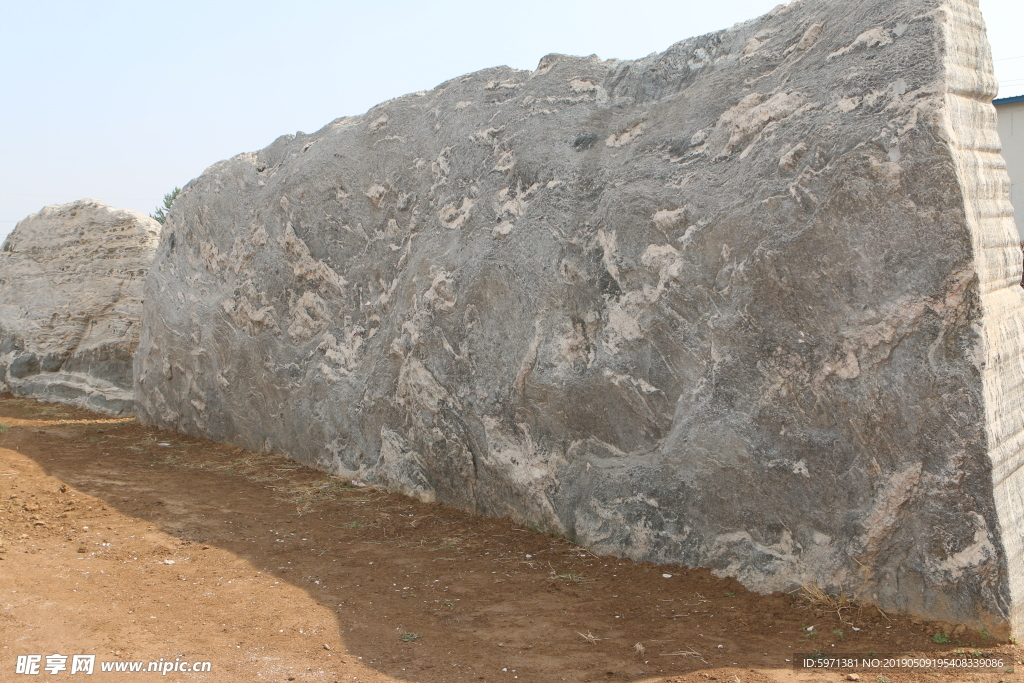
<point x="160" y="215"/>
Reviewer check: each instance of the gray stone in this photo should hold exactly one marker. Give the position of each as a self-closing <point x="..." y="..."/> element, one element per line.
<point x="749" y="304"/>
<point x="71" y="280"/>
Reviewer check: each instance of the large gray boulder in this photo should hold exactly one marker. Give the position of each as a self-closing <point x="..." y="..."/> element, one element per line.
<point x="71" y="280"/>
<point x="749" y="304"/>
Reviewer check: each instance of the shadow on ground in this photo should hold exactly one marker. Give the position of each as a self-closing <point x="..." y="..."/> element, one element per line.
<point x="278" y="572"/>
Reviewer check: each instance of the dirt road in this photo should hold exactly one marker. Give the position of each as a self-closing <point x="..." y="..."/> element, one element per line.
<point x="136" y="545"/>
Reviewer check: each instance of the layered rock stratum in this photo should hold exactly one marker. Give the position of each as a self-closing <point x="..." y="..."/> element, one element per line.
<point x="749" y="304"/>
<point x="71" y="281"/>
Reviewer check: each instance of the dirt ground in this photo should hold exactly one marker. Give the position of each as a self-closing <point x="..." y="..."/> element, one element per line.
<point x="134" y="544"/>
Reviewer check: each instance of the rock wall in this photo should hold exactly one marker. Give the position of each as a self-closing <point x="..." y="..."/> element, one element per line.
<point x="748" y="304"/>
<point x="71" y="280"/>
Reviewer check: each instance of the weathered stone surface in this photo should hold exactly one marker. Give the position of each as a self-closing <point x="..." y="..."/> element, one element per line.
<point x="749" y="304"/>
<point x="71" y="280"/>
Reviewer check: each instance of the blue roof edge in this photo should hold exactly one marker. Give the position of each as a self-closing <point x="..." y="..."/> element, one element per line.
<point x="1008" y="100"/>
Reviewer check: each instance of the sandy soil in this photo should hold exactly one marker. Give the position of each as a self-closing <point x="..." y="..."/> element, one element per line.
<point x="134" y="544"/>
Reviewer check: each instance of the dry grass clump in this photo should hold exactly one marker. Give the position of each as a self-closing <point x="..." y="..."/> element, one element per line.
<point x="839" y="602"/>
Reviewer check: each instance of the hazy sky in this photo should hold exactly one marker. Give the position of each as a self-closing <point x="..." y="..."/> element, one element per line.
<point x="122" y="101"/>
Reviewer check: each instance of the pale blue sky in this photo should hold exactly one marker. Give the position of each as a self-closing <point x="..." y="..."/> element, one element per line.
<point x="122" y="101"/>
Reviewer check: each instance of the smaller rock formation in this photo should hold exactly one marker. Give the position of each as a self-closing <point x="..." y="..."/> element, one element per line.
<point x="71" y="280"/>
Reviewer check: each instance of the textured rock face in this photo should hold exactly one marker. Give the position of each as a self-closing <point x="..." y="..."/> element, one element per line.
<point x="749" y="304"/>
<point x="71" y="280"/>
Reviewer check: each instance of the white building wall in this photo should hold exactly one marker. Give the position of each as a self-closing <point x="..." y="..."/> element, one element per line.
<point x="1011" y="133"/>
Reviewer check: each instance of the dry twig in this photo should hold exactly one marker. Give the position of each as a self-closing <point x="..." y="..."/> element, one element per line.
<point x="686" y="653"/>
